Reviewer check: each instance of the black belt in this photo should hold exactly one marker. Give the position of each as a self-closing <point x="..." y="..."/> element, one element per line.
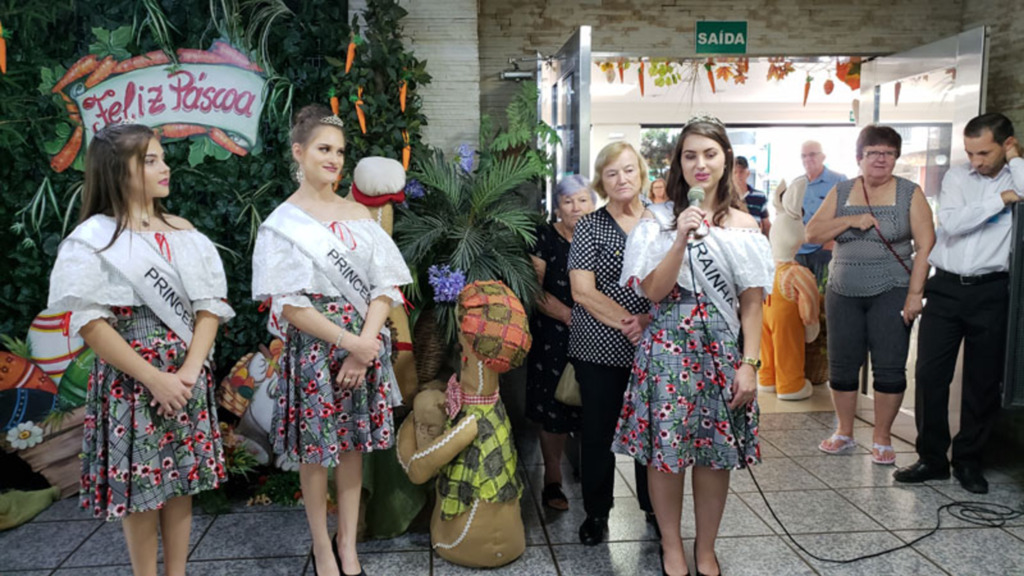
<point x="971" y="280"/>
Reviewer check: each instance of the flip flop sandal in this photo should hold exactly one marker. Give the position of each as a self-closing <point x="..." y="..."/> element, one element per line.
<point x="837" y="444"/>
<point x="554" y="498"/>
<point x="883" y="455"/>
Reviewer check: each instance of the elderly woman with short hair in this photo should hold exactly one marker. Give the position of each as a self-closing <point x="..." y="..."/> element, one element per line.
<point x="608" y="321"/>
<point x="883" y="229"/>
<point x="550" y="328"/>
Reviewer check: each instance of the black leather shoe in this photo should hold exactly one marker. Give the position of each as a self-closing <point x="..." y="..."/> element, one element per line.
<point x="971" y="479"/>
<point x="593" y="530"/>
<point x="919" y="472"/>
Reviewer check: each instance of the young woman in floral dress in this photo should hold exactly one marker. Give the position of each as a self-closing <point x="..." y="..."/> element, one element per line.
<point x="691" y="398"/>
<point x="146" y="292"/>
<point x="332" y="273"/>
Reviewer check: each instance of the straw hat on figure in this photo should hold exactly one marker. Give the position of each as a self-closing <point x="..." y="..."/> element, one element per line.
<point x="791" y="312"/>
<point x="463" y="436"/>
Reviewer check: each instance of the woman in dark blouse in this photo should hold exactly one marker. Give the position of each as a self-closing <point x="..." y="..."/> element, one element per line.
<point x="607" y="323"/>
<point x="550" y="329"/>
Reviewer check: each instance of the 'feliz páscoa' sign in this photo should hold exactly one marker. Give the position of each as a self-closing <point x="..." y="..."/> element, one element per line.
<point x="216" y="93"/>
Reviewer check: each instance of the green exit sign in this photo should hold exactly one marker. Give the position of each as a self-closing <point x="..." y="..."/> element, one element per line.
<point x="721" y="37"/>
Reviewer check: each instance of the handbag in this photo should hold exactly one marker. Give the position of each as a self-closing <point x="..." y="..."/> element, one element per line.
<point x="568" y="390"/>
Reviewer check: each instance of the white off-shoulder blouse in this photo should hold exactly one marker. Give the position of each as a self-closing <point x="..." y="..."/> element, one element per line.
<point x="283" y="272"/>
<point x="84" y="283"/>
<point x="747" y="254"/>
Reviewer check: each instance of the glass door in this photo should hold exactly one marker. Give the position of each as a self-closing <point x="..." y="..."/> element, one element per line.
<point x="927" y="94"/>
<point x="564" y="81"/>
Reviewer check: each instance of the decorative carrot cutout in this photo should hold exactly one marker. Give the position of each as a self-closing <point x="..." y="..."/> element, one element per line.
<point x="709" y="66"/>
<point x="641" y="78"/>
<point x="350" y="57"/>
<point x="359" y="111"/>
<point x="69" y="152"/>
<point x="899" y="86"/>
<point x="807" y="88"/>
<point x="3" y="51"/>
<point x="193" y="56"/>
<point x="334" y="102"/>
<point x="225" y="142"/>
<point x="180" y="130"/>
<point x="106" y="68"/>
<point x="154" y="58"/>
<point x="406" y="151"/>
<point x="85" y="65"/>
<point x="621" y="71"/>
<point x="71" y="107"/>
<point x="401" y="95"/>
<point x="231" y="55"/>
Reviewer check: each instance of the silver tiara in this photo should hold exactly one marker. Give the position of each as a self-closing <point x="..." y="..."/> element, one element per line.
<point x="704" y="118"/>
<point x="333" y="121"/>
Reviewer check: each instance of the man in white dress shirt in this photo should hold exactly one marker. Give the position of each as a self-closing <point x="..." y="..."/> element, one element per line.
<point x="967" y="300"/>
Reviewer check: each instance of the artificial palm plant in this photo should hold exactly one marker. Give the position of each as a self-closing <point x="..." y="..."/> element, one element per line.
<point x="474" y="223"/>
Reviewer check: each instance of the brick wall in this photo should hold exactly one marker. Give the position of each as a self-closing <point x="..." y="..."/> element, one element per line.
<point x="1006" y="54"/>
<point x="663" y="28"/>
<point x="444" y="33"/>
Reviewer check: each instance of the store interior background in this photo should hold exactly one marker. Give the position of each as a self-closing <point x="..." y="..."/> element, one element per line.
<point x="468" y="43"/>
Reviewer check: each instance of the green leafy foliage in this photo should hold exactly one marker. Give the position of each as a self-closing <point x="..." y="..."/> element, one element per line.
<point x="224" y="196"/>
<point x="481" y="222"/>
<point x="382" y="63"/>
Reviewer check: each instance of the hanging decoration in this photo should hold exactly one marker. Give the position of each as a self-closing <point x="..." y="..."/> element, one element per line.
<point x="641" y="76"/>
<point x="709" y="65"/>
<point x="3" y="51"/>
<point x="335" y="107"/>
<point x="358" y="101"/>
<point x="807" y="89"/>
<point x="350" y="55"/>
<point x="897" y="88"/>
<point x="848" y="72"/>
<point x="829" y="86"/>
<point x="779" y="68"/>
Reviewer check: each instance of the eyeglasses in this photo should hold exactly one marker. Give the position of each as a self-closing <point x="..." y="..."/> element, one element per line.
<point x="809" y="155"/>
<point x="876" y="154"/>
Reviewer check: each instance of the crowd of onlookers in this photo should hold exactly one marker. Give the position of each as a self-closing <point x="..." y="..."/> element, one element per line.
<point x="654" y="300"/>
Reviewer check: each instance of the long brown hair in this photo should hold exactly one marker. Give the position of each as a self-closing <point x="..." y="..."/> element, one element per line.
<point x="678" y="187"/>
<point x="108" y="163"/>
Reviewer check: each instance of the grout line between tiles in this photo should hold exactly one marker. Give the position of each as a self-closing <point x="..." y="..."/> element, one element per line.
<point x="99" y="526"/>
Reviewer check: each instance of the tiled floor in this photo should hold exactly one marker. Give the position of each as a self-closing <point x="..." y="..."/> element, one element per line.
<point x="835" y="506"/>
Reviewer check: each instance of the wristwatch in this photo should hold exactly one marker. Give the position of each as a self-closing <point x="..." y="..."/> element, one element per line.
<point x="755" y="362"/>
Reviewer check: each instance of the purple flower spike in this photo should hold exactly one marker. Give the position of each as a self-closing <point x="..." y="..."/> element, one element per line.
<point x="465" y="154"/>
<point x="447" y="283"/>
<point x="414" y="189"/>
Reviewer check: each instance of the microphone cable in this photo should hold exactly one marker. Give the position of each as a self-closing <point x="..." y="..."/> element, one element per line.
<point x="984" y="514"/>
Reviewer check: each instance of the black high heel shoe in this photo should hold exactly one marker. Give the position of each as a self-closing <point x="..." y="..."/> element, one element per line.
<point x="337" y="558"/>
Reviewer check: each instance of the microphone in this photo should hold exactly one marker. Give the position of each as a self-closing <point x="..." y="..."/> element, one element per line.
<point x="695" y="197"/>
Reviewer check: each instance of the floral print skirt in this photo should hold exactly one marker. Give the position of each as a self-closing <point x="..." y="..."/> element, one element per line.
<point x="314" y="419"/>
<point x="133" y="459"/>
<point x="675" y="410"/>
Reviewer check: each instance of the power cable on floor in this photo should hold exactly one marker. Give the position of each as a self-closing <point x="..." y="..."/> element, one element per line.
<point x="985" y="514"/>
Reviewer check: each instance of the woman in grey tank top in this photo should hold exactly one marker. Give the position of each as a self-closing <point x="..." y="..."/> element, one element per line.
<point x="883" y="229"/>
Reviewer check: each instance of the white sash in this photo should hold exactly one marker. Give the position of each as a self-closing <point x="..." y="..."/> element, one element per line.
<point x="713" y="280"/>
<point x="326" y="251"/>
<point x="716" y="282"/>
<point x="155" y="280"/>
